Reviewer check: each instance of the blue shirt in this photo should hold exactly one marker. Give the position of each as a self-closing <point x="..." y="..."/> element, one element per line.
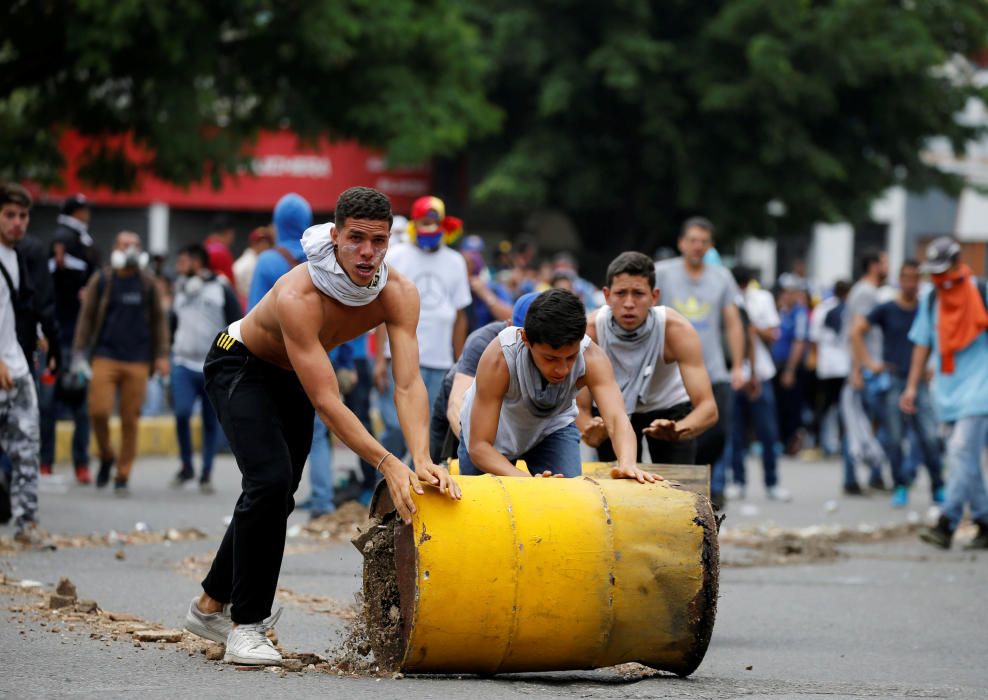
<point x="794" y="326"/>
<point x="895" y="322"/>
<point x="965" y="392"/>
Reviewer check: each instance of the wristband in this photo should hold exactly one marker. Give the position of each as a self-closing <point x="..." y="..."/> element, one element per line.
<point x="378" y="467"/>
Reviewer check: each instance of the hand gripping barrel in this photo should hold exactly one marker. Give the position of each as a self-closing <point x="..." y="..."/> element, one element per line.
<point x="543" y="574"/>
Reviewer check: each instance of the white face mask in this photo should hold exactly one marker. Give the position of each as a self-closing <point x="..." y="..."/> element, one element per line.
<point x="131" y="257"/>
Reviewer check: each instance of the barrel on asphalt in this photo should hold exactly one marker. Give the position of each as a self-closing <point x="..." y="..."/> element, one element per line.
<point x="544" y="574"/>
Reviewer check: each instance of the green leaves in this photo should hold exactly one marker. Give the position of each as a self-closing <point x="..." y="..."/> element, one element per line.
<point x="191" y="81"/>
<point x="639" y="112"/>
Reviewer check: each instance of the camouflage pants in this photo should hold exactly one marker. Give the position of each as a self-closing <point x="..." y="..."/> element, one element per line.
<point x="19" y="438"/>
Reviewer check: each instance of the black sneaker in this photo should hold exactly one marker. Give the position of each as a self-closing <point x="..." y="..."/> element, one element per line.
<point x="854" y="490"/>
<point x="939" y="535"/>
<point x="120" y="488"/>
<point x="185" y="475"/>
<point x="879" y="484"/>
<point x="103" y="475"/>
<point x="980" y="540"/>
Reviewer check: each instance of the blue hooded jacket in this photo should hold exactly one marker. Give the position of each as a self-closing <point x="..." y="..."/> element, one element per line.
<point x="292" y="215"/>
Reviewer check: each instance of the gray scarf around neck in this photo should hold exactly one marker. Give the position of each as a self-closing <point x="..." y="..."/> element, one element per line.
<point x="543" y="397"/>
<point x="327" y="274"/>
<point x="632" y="353"/>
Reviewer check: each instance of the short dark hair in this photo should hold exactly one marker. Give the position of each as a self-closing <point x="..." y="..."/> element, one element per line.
<point x="841" y="288"/>
<point x="742" y="275"/>
<point x="195" y="250"/>
<point x="869" y="258"/>
<point x="698" y="222"/>
<point x="362" y="203"/>
<point x="909" y="262"/>
<point x="631" y="263"/>
<point x="556" y="318"/>
<point x="12" y="193"/>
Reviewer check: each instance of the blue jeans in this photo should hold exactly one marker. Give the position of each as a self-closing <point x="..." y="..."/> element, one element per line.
<point x="965" y="481"/>
<point x="320" y="470"/>
<point x="923" y="423"/>
<point x="49" y="406"/>
<point x="392" y="439"/>
<point x="559" y="452"/>
<point x="874" y="396"/>
<point x="187" y="386"/>
<point x="762" y="411"/>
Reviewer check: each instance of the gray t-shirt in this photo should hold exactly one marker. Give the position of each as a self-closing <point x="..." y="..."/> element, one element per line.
<point x="701" y="300"/>
<point x="862" y="298"/>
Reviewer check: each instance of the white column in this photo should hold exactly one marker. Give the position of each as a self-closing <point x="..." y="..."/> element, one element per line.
<point x="760" y="253"/>
<point x="158" y="228"/>
<point x="832" y="253"/>
<point x="891" y="210"/>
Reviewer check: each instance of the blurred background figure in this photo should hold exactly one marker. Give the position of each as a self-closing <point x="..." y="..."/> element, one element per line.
<point x="124" y="331"/>
<point x="788" y="353"/>
<point x="259" y="240"/>
<point x="492" y="301"/>
<point x="204" y="305"/>
<point x="73" y="260"/>
<point x="219" y="247"/>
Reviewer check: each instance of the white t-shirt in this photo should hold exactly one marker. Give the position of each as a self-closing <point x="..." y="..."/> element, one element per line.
<point x="10" y="349"/>
<point x="444" y="289"/>
<point x="763" y="315"/>
<point x="833" y="350"/>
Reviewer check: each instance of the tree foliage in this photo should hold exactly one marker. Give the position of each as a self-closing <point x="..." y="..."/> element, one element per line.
<point x="633" y="114"/>
<point x="191" y="81"/>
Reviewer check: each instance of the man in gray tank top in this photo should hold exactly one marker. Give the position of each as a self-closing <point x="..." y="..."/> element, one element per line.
<point x="522" y="403"/>
<point x="658" y="363"/>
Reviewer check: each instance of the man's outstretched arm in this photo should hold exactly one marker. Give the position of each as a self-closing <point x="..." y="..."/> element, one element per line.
<point x="300" y="323"/>
<point x="684" y="348"/>
<point x="599" y="379"/>
<point x="411" y="398"/>
<point x="492" y="384"/>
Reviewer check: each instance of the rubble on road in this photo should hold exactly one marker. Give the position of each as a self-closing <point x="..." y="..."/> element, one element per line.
<point x="343" y="524"/>
<point x="110" y="539"/>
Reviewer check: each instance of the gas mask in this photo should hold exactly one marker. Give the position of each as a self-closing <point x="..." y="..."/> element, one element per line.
<point x="131" y="257"/>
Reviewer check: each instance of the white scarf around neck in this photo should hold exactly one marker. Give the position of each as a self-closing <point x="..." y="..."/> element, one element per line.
<point x="328" y="275"/>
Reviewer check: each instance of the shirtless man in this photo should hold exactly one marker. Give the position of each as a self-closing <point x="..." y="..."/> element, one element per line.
<point x="521" y="405"/>
<point x="658" y="363"/>
<point x="267" y="374"/>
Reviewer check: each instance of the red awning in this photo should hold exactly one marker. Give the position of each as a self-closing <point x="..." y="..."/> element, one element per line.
<point x="281" y="165"/>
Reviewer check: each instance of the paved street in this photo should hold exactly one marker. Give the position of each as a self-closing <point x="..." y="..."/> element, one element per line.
<point x="889" y="619"/>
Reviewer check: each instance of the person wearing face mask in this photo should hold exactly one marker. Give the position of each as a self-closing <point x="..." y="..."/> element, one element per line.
<point x="203" y="305"/>
<point x="440" y="276"/>
<point x="123" y="331"/>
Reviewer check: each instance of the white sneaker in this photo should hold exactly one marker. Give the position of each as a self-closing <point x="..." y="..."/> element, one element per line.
<point x="734" y="492"/>
<point x="247" y="645"/>
<point x="778" y="493"/>
<point x="214" y="627"/>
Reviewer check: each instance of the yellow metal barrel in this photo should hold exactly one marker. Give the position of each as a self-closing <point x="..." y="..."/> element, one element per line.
<point x="547" y="574"/>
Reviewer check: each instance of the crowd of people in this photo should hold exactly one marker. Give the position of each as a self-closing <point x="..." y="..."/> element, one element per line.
<point x="711" y="365"/>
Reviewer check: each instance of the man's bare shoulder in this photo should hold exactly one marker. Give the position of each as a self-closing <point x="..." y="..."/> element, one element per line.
<point x="399" y="297"/>
<point x="592" y="324"/>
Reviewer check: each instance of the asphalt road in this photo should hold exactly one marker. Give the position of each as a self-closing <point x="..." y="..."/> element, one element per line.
<point x="887" y="620"/>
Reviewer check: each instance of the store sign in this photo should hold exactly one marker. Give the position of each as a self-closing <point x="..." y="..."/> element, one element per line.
<point x="281" y="164"/>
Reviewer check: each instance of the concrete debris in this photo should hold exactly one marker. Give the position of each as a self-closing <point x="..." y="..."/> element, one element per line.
<point x="56" y="601"/>
<point x="66" y="588"/>
<point x="214" y="652"/>
<point x="110" y="539"/>
<point x="88" y="607"/>
<point x="123" y="617"/>
<point x="120" y="555"/>
<point x="161" y="636"/>
<point x="344" y="524"/>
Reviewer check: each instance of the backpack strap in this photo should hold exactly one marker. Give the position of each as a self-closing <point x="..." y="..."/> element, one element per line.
<point x="286" y="254"/>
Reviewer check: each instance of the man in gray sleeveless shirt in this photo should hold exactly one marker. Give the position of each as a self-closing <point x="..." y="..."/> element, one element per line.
<point x="658" y="363"/>
<point x="522" y="402"/>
